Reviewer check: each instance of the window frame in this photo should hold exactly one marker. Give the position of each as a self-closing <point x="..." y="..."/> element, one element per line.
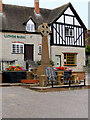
<point x="75" y="59"/>
<point x="31" y="25"/>
<point x="69" y="35"/>
<point x="39" y="49"/>
<point x="18" y="49"/>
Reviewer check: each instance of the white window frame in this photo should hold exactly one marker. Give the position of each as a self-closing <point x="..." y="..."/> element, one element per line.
<point x="30" y="26"/>
<point x="69" y="30"/>
<point x="17" y="48"/>
<point x="39" y="49"/>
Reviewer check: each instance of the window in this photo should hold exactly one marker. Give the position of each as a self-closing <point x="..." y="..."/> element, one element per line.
<point x="70" y="58"/>
<point x="69" y="32"/>
<point x="40" y="49"/>
<point x="30" y="26"/>
<point x="18" y="48"/>
<point x="0" y="66"/>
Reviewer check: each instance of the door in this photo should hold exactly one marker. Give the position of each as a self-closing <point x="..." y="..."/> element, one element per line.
<point x="58" y="60"/>
<point x="28" y="52"/>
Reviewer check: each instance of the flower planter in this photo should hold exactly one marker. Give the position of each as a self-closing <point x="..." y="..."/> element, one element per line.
<point x="13" y="77"/>
<point x="60" y="72"/>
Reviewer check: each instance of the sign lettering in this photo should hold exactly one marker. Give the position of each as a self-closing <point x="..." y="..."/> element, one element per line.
<point x="14" y="36"/>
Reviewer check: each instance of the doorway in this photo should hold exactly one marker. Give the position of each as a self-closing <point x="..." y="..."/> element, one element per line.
<point x="28" y="52"/>
<point x="57" y="60"/>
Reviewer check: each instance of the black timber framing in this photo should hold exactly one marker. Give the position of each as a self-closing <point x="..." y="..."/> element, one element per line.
<point x="56" y="34"/>
<point x="69" y="15"/>
<point x="68" y="45"/>
<point x="51" y="41"/>
<point x="75" y="14"/>
<point x="59" y="32"/>
<point x="68" y="24"/>
<point x="68" y="39"/>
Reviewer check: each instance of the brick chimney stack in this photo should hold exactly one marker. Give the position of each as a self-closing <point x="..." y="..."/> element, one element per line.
<point x="0" y="6"/>
<point x="37" y="6"/>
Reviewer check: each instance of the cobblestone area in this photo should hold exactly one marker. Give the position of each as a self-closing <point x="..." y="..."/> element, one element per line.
<point x="19" y="102"/>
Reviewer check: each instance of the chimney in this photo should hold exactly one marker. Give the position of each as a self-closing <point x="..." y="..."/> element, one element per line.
<point x="0" y="6"/>
<point x="37" y="6"/>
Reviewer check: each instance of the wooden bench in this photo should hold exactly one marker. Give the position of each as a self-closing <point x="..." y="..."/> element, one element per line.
<point x="29" y="81"/>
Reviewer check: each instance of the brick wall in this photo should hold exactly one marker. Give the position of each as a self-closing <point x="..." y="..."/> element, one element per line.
<point x="0" y="6"/>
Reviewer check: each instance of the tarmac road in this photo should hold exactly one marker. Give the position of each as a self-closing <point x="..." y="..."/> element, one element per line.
<point x="19" y="102"/>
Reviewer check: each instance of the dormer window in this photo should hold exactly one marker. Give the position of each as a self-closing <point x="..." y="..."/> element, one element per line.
<point x="30" y="26"/>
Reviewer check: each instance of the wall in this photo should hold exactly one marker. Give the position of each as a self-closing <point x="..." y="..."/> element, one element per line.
<point x="58" y="50"/>
<point x="34" y="39"/>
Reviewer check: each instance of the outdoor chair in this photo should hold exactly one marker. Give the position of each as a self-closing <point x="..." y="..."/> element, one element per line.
<point x="51" y="75"/>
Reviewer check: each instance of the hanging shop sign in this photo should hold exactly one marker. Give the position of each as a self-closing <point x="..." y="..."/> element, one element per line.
<point x="14" y="36"/>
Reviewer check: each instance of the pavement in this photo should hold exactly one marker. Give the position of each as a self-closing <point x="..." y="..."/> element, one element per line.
<point x="19" y="102"/>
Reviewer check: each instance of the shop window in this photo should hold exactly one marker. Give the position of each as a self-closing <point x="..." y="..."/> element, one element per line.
<point x="70" y="58"/>
<point x="18" y="48"/>
<point x="69" y="32"/>
<point x="40" y="49"/>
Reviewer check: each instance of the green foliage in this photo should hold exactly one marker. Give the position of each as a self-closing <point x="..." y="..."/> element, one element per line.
<point x="51" y="62"/>
<point x="87" y="49"/>
<point x="39" y="62"/>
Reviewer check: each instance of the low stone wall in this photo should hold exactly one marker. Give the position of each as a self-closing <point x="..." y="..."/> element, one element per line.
<point x="81" y="75"/>
<point x="0" y="77"/>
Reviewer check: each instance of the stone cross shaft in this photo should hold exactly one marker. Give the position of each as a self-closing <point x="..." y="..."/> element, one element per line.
<point x="45" y="30"/>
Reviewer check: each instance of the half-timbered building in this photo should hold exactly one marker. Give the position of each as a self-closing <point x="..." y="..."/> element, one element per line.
<point x="21" y="40"/>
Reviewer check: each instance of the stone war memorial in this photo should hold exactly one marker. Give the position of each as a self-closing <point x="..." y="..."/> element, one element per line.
<point x="44" y="29"/>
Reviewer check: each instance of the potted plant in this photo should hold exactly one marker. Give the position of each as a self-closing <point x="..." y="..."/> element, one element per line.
<point x="60" y="69"/>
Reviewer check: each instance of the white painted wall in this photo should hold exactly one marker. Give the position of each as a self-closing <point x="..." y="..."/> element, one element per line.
<point x="58" y="50"/>
<point x="68" y="11"/>
<point x="34" y="39"/>
<point x="61" y="19"/>
<point x="76" y="22"/>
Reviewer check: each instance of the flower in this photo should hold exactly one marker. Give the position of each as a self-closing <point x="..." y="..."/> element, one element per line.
<point x="61" y="68"/>
<point x="69" y="69"/>
<point x="15" y="68"/>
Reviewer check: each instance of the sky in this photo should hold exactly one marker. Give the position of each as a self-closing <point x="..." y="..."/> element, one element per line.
<point x="81" y="6"/>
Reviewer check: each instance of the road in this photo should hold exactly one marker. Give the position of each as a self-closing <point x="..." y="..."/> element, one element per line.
<point x="19" y="102"/>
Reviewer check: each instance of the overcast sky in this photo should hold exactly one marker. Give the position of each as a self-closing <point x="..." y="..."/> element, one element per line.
<point x="81" y="6"/>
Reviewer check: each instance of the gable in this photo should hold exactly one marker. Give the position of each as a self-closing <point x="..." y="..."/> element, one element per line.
<point x="69" y="11"/>
<point x="70" y="15"/>
<point x="70" y="18"/>
<point x="30" y="26"/>
<point x="30" y="22"/>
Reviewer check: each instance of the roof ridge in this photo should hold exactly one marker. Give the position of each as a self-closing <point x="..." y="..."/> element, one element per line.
<point x="61" y="6"/>
<point x="26" y="6"/>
